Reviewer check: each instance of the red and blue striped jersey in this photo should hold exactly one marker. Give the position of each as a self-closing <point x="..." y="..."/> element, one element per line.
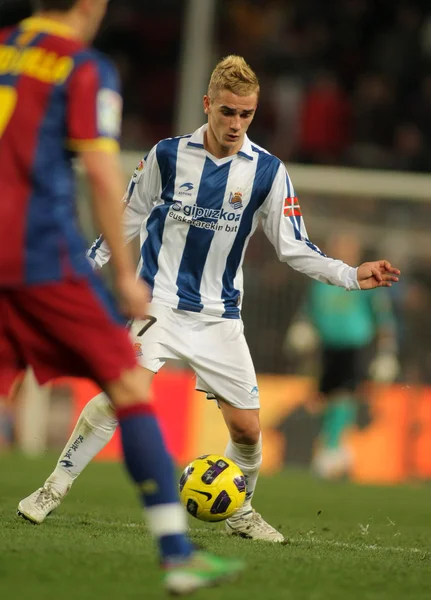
<point x="57" y="97"/>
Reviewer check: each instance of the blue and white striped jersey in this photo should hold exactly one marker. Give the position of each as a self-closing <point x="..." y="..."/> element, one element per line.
<point x="196" y="213"/>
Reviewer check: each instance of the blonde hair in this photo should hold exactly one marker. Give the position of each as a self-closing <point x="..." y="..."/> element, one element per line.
<point x="234" y="74"/>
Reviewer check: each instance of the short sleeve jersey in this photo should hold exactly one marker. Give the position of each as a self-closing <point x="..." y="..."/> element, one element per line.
<point x="57" y="97"/>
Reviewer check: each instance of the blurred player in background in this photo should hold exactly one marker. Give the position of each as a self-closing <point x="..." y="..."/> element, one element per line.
<point x="196" y="200"/>
<point x="357" y="338"/>
<point x="59" y="98"/>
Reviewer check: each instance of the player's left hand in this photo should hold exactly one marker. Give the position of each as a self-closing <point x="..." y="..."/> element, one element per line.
<point x="379" y="273"/>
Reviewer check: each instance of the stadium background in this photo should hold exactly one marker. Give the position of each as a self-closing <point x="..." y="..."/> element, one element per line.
<point x="346" y="102"/>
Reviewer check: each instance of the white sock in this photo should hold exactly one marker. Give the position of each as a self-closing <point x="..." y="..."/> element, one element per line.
<point x="95" y="427"/>
<point x="249" y="459"/>
<point x="166" y="519"/>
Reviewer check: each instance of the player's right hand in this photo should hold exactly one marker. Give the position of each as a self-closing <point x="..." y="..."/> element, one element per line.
<point x="134" y="296"/>
<point x="379" y="273"/>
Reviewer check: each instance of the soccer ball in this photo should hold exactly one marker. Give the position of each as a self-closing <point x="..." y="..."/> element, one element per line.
<point x="212" y="488"/>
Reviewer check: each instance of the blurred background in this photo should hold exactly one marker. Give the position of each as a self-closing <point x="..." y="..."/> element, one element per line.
<point x="346" y="103"/>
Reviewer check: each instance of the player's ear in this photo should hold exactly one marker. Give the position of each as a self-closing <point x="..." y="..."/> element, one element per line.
<point x="206" y="104"/>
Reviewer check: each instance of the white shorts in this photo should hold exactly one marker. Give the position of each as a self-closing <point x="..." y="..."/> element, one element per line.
<point x="214" y="348"/>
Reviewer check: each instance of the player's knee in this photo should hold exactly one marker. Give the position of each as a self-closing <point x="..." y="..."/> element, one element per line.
<point x="132" y="387"/>
<point x="245" y="432"/>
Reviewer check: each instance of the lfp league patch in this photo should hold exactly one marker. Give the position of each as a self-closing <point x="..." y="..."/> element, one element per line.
<point x="109" y="111"/>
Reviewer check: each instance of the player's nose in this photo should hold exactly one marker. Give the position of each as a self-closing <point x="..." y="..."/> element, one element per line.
<point x="235" y="123"/>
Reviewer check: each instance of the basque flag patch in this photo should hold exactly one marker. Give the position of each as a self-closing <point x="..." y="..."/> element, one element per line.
<point x="292" y="208"/>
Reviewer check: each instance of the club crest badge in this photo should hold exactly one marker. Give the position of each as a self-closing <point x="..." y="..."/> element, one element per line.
<point x="235" y="200"/>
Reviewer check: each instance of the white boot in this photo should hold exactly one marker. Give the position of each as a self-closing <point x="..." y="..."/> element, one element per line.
<point x="41" y="503"/>
<point x="251" y="525"/>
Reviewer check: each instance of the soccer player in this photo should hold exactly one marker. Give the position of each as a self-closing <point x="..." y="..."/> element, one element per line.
<point x="196" y="200"/>
<point x="57" y="98"/>
<point x="346" y="326"/>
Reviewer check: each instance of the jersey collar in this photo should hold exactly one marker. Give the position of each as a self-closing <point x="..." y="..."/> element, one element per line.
<point x="197" y="141"/>
<point x="44" y="25"/>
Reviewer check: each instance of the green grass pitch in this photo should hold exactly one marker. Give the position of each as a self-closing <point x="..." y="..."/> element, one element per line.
<point x="345" y="542"/>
